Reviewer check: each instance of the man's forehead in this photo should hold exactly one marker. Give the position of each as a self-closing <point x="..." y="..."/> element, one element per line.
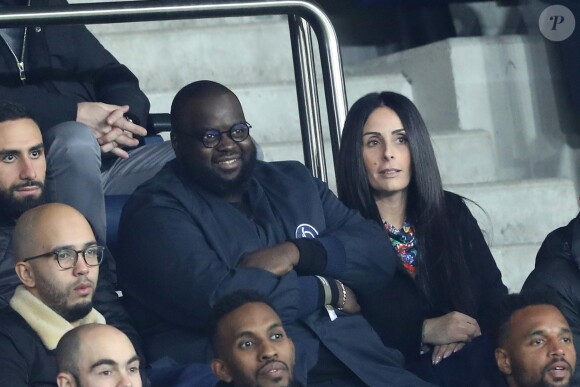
<point x="19" y="134"/>
<point x="215" y="110"/>
<point x="537" y="319"/>
<point x="254" y="317"/>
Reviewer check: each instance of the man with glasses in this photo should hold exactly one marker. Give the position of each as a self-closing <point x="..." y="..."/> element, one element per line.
<point x="216" y="220"/>
<point x="57" y="262"/>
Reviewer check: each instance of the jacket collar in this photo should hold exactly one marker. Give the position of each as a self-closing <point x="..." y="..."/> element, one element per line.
<point x="49" y="326"/>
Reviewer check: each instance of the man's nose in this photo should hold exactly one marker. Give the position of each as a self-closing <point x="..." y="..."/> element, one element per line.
<point x="268" y="351"/>
<point x="557" y="348"/>
<point x="81" y="267"/>
<point x="27" y="170"/>
<point x="125" y="381"/>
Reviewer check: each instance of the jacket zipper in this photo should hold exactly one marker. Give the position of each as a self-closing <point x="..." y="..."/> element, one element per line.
<point x="20" y="63"/>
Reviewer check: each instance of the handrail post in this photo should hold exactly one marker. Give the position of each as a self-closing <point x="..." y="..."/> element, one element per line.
<point x="307" y="93"/>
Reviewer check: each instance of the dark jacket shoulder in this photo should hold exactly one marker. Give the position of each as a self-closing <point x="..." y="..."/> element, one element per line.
<point x="24" y="360"/>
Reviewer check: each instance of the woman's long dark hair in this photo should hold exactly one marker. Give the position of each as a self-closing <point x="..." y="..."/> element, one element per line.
<point x="443" y="275"/>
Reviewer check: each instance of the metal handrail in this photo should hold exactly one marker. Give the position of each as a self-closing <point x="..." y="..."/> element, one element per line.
<point x="312" y="13"/>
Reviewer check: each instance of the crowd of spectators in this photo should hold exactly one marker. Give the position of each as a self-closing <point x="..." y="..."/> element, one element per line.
<point x="236" y="271"/>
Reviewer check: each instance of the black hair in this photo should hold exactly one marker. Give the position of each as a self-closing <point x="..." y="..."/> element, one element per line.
<point x="195" y="91"/>
<point x="517" y="301"/>
<point x="10" y="111"/>
<point x="439" y="262"/>
<point x="231" y="302"/>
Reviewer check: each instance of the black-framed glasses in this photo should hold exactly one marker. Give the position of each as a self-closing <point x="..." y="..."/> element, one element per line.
<point x="68" y="258"/>
<point x="210" y="138"/>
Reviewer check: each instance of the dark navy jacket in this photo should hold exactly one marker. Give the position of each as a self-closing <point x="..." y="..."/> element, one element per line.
<point x="181" y="247"/>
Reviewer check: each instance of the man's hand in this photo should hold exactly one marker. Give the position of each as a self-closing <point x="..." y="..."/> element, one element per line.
<point x="279" y="259"/>
<point x="454" y="327"/>
<point x="111" y="129"/>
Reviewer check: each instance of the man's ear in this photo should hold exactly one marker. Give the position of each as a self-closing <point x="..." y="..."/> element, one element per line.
<point x="65" y="379"/>
<point x="220" y="369"/>
<point x="25" y="274"/>
<point x="503" y="361"/>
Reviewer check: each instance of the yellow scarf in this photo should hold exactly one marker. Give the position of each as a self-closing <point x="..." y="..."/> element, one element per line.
<point x="49" y="325"/>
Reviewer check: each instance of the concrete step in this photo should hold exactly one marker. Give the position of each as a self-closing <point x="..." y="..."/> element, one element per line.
<point x="520" y="212"/>
<point x="167" y="55"/>
<point x="515" y="262"/>
<point x="453" y="150"/>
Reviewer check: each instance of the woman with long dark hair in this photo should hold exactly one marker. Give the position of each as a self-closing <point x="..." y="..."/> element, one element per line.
<point x="447" y="286"/>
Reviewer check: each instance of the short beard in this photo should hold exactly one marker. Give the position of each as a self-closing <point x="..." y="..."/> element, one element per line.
<point x="214" y="183"/>
<point x="517" y="372"/>
<point x="57" y="301"/>
<point x="13" y="207"/>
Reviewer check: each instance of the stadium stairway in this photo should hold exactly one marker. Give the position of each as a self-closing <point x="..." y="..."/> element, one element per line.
<point x="492" y="106"/>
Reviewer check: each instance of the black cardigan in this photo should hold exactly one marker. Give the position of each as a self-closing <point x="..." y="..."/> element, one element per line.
<point x="397" y="311"/>
<point x="66" y="65"/>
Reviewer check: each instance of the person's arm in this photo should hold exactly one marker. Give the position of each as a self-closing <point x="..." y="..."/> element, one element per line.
<point x="358" y="251"/>
<point x="349" y="248"/>
<point x="113" y="82"/>
<point x="489" y="289"/>
<point x="168" y="264"/>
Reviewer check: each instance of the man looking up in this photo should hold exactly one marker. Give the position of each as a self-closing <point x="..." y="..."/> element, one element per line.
<point x="250" y="343"/>
<point x="96" y="355"/>
<point x="57" y="262"/>
<point x="216" y="220"/>
<point x="22" y="178"/>
<point x="22" y="165"/>
<point x="535" y="346"/>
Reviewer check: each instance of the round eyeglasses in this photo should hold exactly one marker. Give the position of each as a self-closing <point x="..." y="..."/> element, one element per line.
<point x="210" y="138"/>
<point x="68" y="258"/>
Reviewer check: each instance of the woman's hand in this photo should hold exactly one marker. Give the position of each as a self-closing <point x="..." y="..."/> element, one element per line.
<point x="454" y="327"/>
<point x="443" y="351"/>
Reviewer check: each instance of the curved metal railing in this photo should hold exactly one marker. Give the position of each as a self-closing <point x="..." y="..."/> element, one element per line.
<point x="303" y="14"/>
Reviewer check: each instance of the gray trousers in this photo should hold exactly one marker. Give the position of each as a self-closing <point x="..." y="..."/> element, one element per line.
<point x="74" y="175"/>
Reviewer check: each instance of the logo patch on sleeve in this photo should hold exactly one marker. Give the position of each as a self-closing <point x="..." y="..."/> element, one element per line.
<point x="306" y="231"/>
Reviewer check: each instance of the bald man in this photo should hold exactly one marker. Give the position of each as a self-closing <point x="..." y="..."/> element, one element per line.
<point x="57" y="262"/>
<point x="97" y="355"/>
<point x="216" y="219"/>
